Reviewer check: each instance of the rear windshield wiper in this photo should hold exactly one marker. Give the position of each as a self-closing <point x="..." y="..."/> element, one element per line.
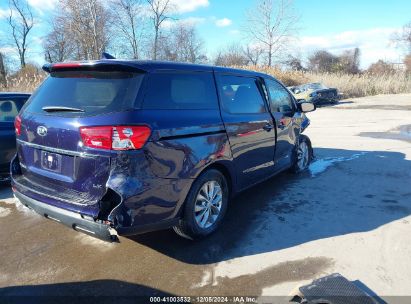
<point x="61" y="109"/>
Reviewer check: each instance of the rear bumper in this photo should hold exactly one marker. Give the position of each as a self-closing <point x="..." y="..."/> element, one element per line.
<point x="80" y="223"/>
<point x="71" y="219"/>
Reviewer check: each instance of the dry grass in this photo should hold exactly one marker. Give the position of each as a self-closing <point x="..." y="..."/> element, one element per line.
<point x="25" y="80"/>
<point x="29" y="79"/>
<point x="351" y="85"/>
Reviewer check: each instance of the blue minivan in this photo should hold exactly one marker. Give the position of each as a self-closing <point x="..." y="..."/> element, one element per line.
<point x="113" y="147"/>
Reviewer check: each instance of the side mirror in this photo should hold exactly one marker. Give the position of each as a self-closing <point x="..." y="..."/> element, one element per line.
<point x="306" y="107"/>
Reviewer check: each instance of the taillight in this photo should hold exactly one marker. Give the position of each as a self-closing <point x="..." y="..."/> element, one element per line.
<point x="17" y="125"/>
<point x="115" y="137"/>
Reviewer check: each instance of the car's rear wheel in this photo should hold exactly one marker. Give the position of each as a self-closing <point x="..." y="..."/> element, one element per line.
<point x="205" y="206"/>
<point x="303" y="154"/>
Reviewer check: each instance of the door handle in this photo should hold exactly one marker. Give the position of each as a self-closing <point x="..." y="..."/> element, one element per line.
<point x="268" y="127"/>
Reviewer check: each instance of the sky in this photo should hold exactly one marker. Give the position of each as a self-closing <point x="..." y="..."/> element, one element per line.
<point x="334" y="25"/>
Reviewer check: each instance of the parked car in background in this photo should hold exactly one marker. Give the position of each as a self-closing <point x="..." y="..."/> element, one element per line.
<point x="10" y="105"/>
<point x="316" y="93"/>
<point x="124" y="147"/>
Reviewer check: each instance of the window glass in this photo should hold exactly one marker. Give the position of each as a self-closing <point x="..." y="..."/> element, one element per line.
<point x="181" y="90"/>
<point x="280" y="99"/>
<point x="240" y="95"/>
<point x="94" y="92"/>
<point x="9" y="110"/>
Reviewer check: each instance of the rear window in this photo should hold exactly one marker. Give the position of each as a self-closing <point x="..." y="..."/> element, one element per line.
<point x="181" y="90"/>
<point x="91" y="91"/>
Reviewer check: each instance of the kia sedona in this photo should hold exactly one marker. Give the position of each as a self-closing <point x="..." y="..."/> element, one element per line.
<point x="113" y="147"/>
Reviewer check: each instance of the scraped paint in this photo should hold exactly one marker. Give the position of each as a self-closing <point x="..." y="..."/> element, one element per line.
<point x="320" y="165"/>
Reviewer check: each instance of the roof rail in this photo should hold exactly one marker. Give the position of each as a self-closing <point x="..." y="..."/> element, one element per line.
<point x="105" y="55"/>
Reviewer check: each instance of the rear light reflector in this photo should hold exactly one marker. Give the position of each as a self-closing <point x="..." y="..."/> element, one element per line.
<point x="17" y="125"/>
<point x="66" y="65"/>
<point x="115" y="137"/>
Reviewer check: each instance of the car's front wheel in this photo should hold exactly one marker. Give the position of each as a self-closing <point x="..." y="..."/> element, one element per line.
<point x="303" y="154"/>
<point x="205" y="206"/>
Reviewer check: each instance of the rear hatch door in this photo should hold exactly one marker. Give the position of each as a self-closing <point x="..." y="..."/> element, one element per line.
<point x="54" y="160"/>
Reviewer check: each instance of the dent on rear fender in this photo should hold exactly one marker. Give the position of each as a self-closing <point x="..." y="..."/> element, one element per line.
<point x="145" y="198"/>
<point x="186" y="157"/>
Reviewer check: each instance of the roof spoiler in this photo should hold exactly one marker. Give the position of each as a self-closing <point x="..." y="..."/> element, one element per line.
<point x="105" y="55"/>
<point x="104" y="66"/>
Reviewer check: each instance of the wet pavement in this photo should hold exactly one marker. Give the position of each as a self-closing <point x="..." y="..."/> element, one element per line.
<point x="350" y="213"/>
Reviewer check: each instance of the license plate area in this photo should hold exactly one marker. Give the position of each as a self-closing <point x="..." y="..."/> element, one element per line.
<point x="51" y="161"/>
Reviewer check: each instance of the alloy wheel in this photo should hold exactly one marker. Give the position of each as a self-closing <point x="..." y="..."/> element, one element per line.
<point x="208" y="204"/>
<point x="303" y="155"/>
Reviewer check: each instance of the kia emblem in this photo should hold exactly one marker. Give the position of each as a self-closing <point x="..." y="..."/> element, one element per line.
<point x="41" y="130"/>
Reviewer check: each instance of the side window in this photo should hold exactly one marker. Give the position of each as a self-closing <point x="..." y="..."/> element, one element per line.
<point x="181" y="90"/>
<point x="280" y="99"/>
<point x="240" y="95"/>
<point x="8" y="110"/>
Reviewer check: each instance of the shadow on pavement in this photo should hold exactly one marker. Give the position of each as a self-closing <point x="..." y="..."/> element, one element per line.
<point x="103" y="291"/>
<point x="356" y="194"/>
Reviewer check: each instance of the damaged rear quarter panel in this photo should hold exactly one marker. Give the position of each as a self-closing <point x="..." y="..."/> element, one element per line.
<point x="154" y="181"/>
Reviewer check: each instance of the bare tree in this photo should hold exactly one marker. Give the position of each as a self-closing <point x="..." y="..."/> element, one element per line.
<point x="21" y="23"/>
<point x="381" y="67"/>
<point x="271" y="23"/>
<point x="253" y="54"/>
<point x="3" y="74"/>
<point x="58" y="44"/>
<point x="233" y="55"/>
<point x="86" y="22"/>
<point x="181" y="43"/>
<point x="404" y="37"/>
<point x="188" y="46"/>
<point x="349" y="61"/>
<point x="294" y="63"/>
<point x="323" y="61"/>
<point x="160" y="10"/>
<point x="407" y="62"/>
<point x="129" y="22"/>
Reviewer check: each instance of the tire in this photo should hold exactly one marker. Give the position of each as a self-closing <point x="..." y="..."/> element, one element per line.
<point x="201" y="216"/>
<point x="303" y="155"/>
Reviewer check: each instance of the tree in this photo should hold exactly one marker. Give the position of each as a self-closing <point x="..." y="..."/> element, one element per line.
<point x="294" y="63"/>
<point x="381" y="67"/>
<point x="188" y="46"/>
<point x="129" y="23"/>
<point x="253" y="54"/>
<point x="181" y="43"/>
<point x="160" y="10"/>
<point x="84" y="25"/>
<point x="271" y="23"/>
<point x="21" y="23"/>
<point x="404" y="37"/>
<point x="323" y="61"/>
<point x="407" y="62"/>
<point x="231" y="56"/>
<point x="3" y="74"/>
<point x="58" y="44"/>
<point x="349" y="61"/>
